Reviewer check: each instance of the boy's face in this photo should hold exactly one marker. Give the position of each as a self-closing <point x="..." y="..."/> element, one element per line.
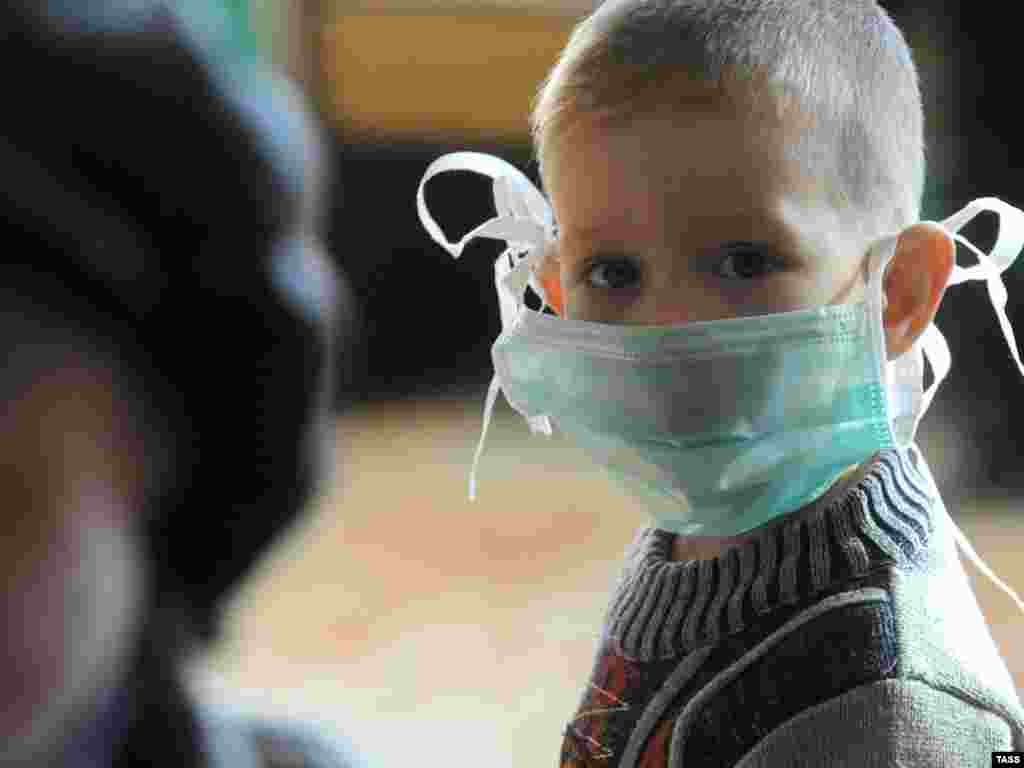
<point x="697" y="214"/>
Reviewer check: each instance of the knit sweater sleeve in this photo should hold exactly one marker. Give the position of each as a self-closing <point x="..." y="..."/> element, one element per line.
<point x="891" y="723"/>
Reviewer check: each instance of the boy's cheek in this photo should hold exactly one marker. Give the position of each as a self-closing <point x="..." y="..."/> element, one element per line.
<point x="594" y="307"/>
<point x="576" y="306"/>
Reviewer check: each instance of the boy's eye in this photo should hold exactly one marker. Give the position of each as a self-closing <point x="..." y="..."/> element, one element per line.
<point x="745" y="262"/>
<point x="613" y="273"/>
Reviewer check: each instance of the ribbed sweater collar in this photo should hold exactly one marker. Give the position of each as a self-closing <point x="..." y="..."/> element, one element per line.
<point x="663" y="608"/>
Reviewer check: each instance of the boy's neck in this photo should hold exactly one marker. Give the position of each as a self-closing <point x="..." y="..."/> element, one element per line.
<point x="687" y="548"/>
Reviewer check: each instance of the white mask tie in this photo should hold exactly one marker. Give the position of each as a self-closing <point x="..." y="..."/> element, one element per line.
<point x="990" y="266"/>
<point x="525" y="222"/>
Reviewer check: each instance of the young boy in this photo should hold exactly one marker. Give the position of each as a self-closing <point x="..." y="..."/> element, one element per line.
<point x="738" y="164"/>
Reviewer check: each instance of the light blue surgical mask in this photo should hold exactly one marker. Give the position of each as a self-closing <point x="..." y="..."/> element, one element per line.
<point x="719" y="426"/>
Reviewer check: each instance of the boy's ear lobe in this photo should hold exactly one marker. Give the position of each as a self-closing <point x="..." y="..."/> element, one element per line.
<point x="914" y="284"/>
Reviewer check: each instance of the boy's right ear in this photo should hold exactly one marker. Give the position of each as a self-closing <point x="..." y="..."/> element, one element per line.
<point x="550" y="278"/>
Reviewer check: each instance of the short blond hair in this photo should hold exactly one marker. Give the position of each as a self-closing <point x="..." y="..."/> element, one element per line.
<point x="843" y="63"/>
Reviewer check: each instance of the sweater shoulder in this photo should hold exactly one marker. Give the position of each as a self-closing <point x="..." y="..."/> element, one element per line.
<point x="889" y="722"/>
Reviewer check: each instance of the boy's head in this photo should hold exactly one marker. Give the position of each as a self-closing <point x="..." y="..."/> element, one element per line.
<point x="717" y="158"/>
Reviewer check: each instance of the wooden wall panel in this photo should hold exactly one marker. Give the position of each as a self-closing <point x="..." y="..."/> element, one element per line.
<point x="463" y="76"/>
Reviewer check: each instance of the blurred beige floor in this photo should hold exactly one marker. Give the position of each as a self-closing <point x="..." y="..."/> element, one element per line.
<point x="428" y="628"/>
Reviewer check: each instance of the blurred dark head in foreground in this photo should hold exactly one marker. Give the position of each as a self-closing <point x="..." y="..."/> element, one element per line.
<point x="165" y="324"/>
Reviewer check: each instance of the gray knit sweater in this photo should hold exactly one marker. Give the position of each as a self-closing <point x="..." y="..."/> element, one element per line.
<point x="848" y="637"/>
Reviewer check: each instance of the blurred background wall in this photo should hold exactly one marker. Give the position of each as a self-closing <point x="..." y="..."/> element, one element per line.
<point x="404" y="609"/>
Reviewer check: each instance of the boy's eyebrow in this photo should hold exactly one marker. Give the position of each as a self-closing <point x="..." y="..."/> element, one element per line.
<point x="597" y="240"/>
<point x="583" y="231"/>
<point x="728" y="245"/>
<point x="762" y="228"/>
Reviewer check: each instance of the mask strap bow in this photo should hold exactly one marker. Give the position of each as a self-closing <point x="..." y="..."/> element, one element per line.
<point x="525" y="222"/>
